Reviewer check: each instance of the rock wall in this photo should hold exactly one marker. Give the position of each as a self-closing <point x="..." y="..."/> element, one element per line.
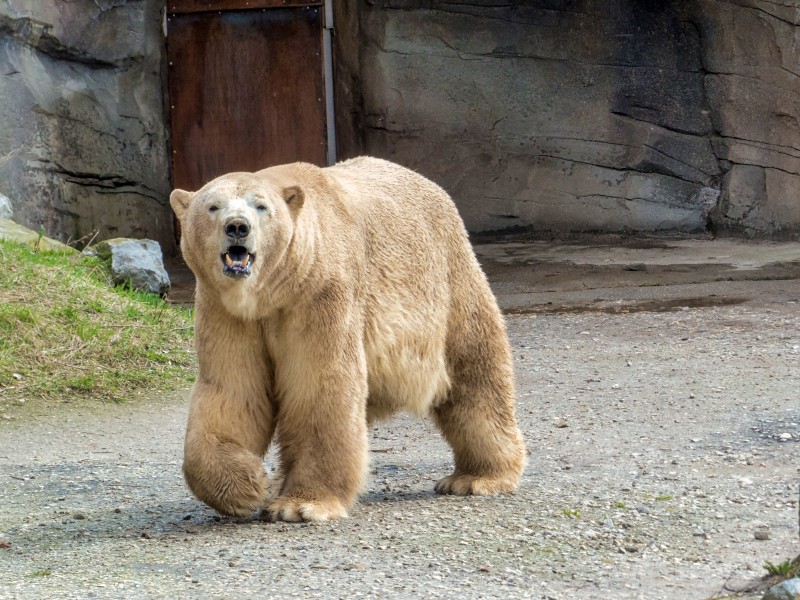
<point x="83" y="142"/>
<point x="585" y="115"/>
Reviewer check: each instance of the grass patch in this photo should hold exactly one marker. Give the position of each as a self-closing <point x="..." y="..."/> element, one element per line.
<point x="40" y="573"/>
<point x="786" y="570"/>
<point x="66" y="333"/>
<point x="572" y="513"/>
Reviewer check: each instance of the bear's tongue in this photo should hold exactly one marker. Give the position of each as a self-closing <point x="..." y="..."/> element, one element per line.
<point x="237" y="261"/>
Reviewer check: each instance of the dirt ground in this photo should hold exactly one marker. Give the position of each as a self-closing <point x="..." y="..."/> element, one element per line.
<point x="658" y="387"/>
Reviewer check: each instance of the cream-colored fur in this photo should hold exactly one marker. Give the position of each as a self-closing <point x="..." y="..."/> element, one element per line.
<point x="364" y="299"/>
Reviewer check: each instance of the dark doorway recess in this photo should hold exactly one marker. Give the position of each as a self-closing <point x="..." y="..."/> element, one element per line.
<point x="246" y="87"/>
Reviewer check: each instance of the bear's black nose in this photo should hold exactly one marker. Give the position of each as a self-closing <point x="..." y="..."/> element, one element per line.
<point x="237" y="228"/>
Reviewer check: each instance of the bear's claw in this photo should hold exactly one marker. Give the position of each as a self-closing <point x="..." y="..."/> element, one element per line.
<point x="297" y="510"/>
<point x="473" y="485"/>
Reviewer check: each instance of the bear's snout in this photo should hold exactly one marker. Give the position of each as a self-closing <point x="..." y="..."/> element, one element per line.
<point x="237" y="228"/>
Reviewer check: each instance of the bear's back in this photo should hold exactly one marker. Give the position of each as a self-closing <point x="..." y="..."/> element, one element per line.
<point x="419" y="266"/>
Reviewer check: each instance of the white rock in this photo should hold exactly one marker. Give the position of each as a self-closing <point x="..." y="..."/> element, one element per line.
<point x="139" y="262"/>
<point x="785" y="590"/>
<point x="6" y="210"/>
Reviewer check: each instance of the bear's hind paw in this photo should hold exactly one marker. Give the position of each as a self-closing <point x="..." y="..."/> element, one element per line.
<point x="296" y="510"/>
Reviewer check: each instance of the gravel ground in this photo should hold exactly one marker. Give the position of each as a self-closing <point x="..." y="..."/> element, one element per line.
<point x="661" y="446"/>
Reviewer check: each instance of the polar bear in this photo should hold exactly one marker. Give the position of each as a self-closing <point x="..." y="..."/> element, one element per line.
<point x="327" y="298"/>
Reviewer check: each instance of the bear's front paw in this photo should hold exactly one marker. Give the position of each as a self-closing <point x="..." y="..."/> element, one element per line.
<point x="473" y="485"/>
<point x="235" y="486"/>
<point x="298" y="509"/>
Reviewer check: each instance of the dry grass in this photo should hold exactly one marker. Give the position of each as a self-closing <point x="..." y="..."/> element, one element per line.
<point x="66" y="333"/>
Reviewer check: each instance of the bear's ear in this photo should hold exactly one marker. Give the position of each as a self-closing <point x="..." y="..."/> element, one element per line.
<point x="180" y="200"/>
<point x="294" y="197"/>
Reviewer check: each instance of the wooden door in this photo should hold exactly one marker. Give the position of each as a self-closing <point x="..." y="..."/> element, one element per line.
<point x="246" y="86"/>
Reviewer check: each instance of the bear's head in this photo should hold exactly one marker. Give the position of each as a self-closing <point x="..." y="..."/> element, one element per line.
<point x="237" y="227"/>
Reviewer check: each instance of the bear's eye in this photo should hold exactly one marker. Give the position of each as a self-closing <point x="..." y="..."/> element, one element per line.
<point x="261" y="208"/>
<point x="213" y="208"/>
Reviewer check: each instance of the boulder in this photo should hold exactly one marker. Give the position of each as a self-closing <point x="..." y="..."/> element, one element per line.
<point x="135" y="262"/>
<point x="785" y="590"/>
<point x="17" y="233"/>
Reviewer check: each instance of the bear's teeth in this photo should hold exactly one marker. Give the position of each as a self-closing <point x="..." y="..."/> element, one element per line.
<point x="246" y="261"/>
<point x="228" y="261"/>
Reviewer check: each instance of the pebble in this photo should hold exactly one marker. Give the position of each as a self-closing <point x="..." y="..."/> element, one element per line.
<point x="761" y="533"/>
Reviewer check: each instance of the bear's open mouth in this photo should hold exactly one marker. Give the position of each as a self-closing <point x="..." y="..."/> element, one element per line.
<point x="237" y="262"/>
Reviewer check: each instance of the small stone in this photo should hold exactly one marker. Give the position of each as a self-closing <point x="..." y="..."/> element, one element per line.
<point x="785" y="437"/>
<point x="762" y="533"/>
<point x="16" y="376"/>
<point x="635" y="267"/>
<point x="79" y="516"/>
<point x="485" y="568"/>
<point x="562" y="423"/>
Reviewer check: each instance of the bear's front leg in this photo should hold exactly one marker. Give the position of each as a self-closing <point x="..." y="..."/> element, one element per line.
<point x="225" y="443"/>
<point x="322" y="432"/>
<point x="230" y="416"/>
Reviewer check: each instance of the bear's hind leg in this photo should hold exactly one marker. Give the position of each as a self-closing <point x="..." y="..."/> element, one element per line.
<point x="487" y="446"/>
<point x="477" y="419"/>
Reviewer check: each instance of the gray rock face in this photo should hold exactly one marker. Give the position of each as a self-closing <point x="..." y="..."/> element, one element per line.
<point x="139" y="262"/>
<point x="611" y="116"/>
<point x="83" y="142"/>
